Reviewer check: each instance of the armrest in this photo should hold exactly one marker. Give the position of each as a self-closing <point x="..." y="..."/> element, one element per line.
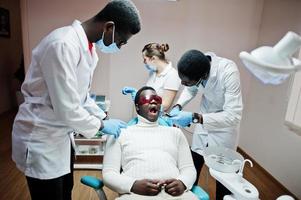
<point x="200" y="193"/>
<point x="92" y="181"/>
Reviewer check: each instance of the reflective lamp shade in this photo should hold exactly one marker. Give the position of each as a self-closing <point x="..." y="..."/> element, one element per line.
<point x="273" y="65"/>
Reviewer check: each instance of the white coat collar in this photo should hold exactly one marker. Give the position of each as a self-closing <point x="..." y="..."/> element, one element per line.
<point x="214" y="64"/>
<point x="81" y="34"/>
<point x="213" y="70"/>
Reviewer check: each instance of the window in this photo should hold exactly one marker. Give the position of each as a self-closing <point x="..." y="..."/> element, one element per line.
<point x="293" y="113"/>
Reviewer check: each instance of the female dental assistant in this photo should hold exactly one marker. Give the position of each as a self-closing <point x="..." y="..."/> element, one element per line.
<point x="57" y="101"/>
<point x="218" y="119"/>
<point x="162" y="76"/>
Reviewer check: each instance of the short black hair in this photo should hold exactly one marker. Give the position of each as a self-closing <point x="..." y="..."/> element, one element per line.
<point x="140" y="91"/>
<point x="194" y="65"/>
<point x="123" y="13"/>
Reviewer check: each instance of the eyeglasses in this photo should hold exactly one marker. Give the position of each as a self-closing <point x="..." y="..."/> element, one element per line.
<point x="199" y="82"/>
<point x="190" y="83"/>
<point x="120" y="39"/>
<point x="147" y="99"/>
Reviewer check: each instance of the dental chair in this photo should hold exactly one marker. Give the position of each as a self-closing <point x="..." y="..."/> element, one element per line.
<point x="97" y="185"/>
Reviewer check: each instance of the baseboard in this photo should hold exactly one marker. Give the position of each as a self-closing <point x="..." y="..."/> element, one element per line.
<point x="274" y="180"/>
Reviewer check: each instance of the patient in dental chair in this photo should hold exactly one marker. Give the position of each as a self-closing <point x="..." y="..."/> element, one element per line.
<point x="149" y="161"/>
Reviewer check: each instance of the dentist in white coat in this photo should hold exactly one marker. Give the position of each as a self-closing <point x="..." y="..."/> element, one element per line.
<point x="218" y="119"/>
<point x="57" y="101"/>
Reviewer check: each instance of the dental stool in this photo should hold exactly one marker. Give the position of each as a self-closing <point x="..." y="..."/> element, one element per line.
<point x="97" y="185"/>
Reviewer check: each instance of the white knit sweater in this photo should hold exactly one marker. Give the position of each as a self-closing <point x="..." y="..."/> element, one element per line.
<point x="147" y="151"/>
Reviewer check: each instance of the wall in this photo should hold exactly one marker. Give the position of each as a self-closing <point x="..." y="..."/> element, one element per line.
<point x="10" y="56"/>
<point x="41" y="17"/>
<point x="263" y="133"/>
<point x="201" y="24"/>
<point x="236" y="22"/>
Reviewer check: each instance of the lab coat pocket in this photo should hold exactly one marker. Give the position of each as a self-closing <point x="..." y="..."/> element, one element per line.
<point x="43" y="159"/>
<point x="200" y="130"/>
<point x="28" y="156"/>
<point x="47" y="115"/>
<point x="19" y="152"/>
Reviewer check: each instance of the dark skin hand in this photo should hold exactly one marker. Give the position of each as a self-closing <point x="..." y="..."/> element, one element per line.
<point x="146" y="187"/>
<point x="150" y="187"/>
<point x="174" y="187"/>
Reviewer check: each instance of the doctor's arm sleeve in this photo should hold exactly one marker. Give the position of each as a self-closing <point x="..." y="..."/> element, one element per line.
<point x="58" y="66"/>
<point x="112" y="177"/>
<point x="187" y="94"/>
<point x="185" y="163"/>
<point x="91" y="106"/>
<point x="232" y="109"/>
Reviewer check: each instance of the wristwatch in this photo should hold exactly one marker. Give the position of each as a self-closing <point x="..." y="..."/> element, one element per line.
<point x="195" y="118"/>
<point x="180" y="107"/>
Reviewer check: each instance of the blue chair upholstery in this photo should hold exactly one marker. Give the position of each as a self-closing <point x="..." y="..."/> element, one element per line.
<point x="163" y="121"/>
<point x="97" y="184"/>
<point x="200" y="193"/>
<point x="92" y="182"/>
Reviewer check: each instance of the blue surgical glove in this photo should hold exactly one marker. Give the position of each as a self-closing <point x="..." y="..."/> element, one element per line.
<point x="175" y="110"/>
<point x="112" y="127"/>
<point x="182" y="119"/>
<point x="129" y="90"/>
<point x="133" y="121"/>
<point x="165" y="121"/>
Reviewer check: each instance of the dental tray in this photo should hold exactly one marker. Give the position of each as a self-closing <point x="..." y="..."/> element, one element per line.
<point x="222" y="159"/>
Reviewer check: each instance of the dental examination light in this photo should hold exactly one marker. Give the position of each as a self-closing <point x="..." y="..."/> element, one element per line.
<point x="273" y="65"/>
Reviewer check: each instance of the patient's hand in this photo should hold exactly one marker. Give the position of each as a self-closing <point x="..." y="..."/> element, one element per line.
<point x="146" y="187"/>
<point x="174" y="187"/>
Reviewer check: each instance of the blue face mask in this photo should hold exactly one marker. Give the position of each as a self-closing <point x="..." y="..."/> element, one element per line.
<point x="112" y="48"/>
<point x="150" y="68"/>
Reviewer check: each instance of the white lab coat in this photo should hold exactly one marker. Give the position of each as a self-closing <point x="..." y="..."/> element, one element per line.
<point x="221" y="106"/>
<point x="57" y="102"/>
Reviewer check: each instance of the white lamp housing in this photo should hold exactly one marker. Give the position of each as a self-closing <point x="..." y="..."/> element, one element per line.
<point x="273" y="65"/>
